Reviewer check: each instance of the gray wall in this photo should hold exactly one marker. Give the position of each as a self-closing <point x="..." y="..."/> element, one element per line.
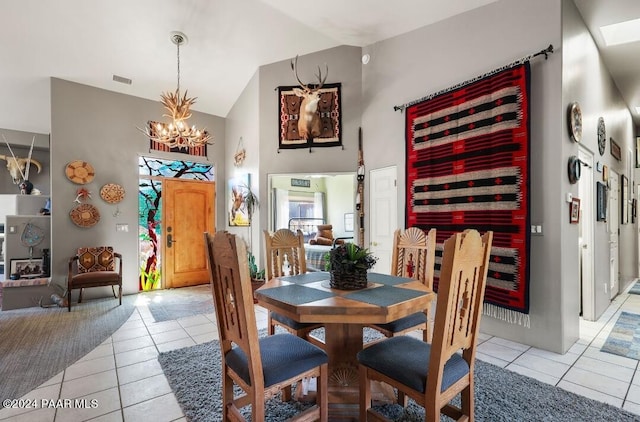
<point x="435" y="57"/>
<point x="99" y="127"/>
<point x="344" y="67"/>
<point x="243" y="121"/>
<point x="255" y="118"/>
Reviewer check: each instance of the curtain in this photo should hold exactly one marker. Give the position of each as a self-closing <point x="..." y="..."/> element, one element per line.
<point x="318" y="204"/>
<point x="281" y="208"/>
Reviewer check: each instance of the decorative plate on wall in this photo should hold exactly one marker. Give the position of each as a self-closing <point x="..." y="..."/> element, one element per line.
<point x="79" y="172"/>
<point x="85" y="215"/>
<point x="112" y="193"/>
<point x="602" y="136"/>
<point x="575" y="122"/>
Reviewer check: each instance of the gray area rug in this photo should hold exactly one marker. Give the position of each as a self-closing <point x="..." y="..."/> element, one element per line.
<point x="635" y="289"/>
<point x="172" y="304"/>
<point x="501" y="395"/>
<point x="624" y="339"/>
<point x="38" y="343"/>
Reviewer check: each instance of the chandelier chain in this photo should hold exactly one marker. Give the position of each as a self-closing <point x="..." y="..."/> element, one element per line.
<point x="178" y="42"/>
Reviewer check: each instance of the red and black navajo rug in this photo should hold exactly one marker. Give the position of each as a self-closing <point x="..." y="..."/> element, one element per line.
<point x="468" y="167"/>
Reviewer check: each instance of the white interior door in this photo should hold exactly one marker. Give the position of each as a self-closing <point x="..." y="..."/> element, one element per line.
<point x="383" y="220"/>
<point x="586" y="223"/>
<point x="614" y="230"/>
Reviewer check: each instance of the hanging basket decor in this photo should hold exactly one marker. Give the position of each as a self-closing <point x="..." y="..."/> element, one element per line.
<point x="348" y="265"/>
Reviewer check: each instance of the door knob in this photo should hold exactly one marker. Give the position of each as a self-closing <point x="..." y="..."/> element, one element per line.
<point x="170" y="240"/>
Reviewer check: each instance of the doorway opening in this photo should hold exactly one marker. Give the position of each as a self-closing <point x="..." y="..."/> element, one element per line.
<point x="151" y="173"/>
<point x="305" y="201"/>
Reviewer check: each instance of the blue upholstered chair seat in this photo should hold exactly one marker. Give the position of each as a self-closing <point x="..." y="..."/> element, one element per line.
<point x="289" y="322"/>
<point x="283" y="357"/>
<point x="404" y="323"/>
<point x="406" y="360"/>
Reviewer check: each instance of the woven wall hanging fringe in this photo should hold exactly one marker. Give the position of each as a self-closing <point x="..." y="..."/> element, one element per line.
<point x="520" y="61"/>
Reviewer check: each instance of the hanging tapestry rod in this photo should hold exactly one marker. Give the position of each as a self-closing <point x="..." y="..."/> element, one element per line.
<point x="520" y="61"/>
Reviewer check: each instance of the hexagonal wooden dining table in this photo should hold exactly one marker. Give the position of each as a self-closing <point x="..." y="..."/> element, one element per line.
<point x="309" y="298"/>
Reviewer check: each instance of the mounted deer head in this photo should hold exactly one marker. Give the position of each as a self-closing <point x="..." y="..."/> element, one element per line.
<point x="17" y="167"/>
<point x="309" y="125"/>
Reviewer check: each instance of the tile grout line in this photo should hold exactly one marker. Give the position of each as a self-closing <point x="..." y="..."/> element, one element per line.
<point x="587" y="348"/>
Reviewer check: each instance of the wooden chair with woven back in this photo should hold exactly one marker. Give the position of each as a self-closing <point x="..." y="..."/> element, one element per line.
<point x="433" y="374"/>
<point x="259" y="366"/>
<point x="95" y="267"/>
<point x="286" y="246"/>
<point x="413" y="257"/>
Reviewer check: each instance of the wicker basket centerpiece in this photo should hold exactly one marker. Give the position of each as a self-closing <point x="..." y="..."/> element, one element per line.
<point x="348" y="265"/>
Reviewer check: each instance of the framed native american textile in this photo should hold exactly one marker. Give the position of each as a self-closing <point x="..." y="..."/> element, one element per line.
<point x="200" y="151"/>
<point x="329" y="116"/>
<point x="467" y="166"/>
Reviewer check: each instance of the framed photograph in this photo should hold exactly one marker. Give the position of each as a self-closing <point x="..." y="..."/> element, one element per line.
<point x="348" y="222"/>
<point x="615" y="150"/>
<point x="574" y="211"/>
<point x="238" y="212"/>
<point x="624" y="193"/>
<point x="601" y="193"/>
<point x="27" y="267"/>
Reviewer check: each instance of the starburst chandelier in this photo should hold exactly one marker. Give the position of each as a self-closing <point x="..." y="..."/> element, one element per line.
<point x="177" y="133"/>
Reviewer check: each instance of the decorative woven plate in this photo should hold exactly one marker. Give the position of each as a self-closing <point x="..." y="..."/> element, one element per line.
<point x="79" y="172"/>
<point x="85" y="215"/>
<point x="112" y="193"/>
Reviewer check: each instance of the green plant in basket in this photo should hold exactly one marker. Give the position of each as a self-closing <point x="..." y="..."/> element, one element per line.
<point x="350" y="255"/>
<point x="348" y="265"/>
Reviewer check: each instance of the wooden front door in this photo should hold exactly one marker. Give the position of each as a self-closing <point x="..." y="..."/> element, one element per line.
<point x="188" y="211"/>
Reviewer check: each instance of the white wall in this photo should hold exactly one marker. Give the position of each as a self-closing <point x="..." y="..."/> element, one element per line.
<point x="587" y="81"/>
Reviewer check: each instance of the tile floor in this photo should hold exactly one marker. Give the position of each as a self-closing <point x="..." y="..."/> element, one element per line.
<point x="123" y="378"/>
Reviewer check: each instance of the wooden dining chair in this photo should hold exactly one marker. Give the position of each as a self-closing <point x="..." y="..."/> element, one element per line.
<point x="259" y="366"/>
<point x="286" y="248"/>
<point x="433" y="374"/>
<point x="413" y="257"/>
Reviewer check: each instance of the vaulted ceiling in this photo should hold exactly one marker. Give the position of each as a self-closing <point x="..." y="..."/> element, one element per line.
<point x="90" y="41"/>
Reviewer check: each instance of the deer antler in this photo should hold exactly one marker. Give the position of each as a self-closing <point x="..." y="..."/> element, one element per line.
<point x="294" y="67"/>
<point x="176" y="106"/>
<point x="319" y="76"/>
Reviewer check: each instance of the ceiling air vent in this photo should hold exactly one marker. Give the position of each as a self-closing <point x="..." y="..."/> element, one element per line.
<point x="122" y="80"/>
